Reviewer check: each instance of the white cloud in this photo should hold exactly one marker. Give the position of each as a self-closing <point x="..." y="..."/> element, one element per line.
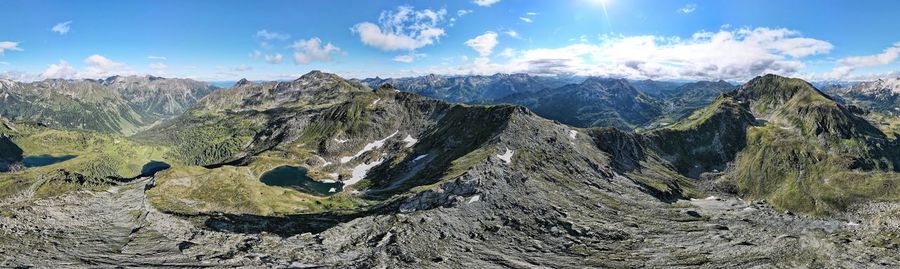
<point x="274" y="59"/>
<point x="99" y="66"/>
<point x="158" y="66"/>
<point x="528" y="17"/>
<point x="96" y="66"/>
<point x="484" y="44"/>
<point x="508" y="52"/>
<point x="9" y="45"/>
<point x="732" y="55"/>
<point x="687" y="9"/>
<point x="242" y="68"/>
<point x="463" y="12"/>
<point x="403" y="29"/>
<point x="18" y="76"/>
<point x="512" y="33"/>
<point x="160" y="58"/>
<point x="306" y="51"/>
<point x="60" y="70"/>
<point x="581" y="39"/>
<point x="255" y="54"/>
<point x="62" y="27"/>
<point x="158" y="69"/>
<point x="408" y="58"/>
<point x="265" y="34"/>
<point x="100" y="61"/>
<point x="485" y="3"/>
<point x="845" y="66"/>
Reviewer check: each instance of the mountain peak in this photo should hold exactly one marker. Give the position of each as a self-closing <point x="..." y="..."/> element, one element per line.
<point x="607" y="83"/>
<point x="242" y="82"/>
<point x="318" y="75"/>
<point x="776" y="88"/>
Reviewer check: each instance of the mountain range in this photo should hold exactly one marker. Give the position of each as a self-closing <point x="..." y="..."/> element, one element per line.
<point x="577" y="101"/>
<point x="471" y="89"/>
<point x="387" y="177"/>
<point x="115" y="104"/>
<point x="881" y="95"/>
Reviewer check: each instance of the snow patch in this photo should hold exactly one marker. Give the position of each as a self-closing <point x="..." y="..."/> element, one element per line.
<point x="376" y="101"/>
<point x="332" y="190"/>
<point x="474" y="198"/>
<point x="340" y="141"/>
<point x="507" y="156"/>
<point x="359" y="172"/>
<point x="368" y="147"/>
<point x="420" y="157"/>
<point x="573" y="134"/>
<point x="410" y="141"/>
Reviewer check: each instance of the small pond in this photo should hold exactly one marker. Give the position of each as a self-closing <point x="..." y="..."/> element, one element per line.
<point x="296" y="178"/>
<point x="152" y="167"/>
<point x="44" y="160"/>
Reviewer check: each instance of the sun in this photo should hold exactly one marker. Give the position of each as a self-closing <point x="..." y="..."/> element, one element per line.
<point x="603" y="4"/>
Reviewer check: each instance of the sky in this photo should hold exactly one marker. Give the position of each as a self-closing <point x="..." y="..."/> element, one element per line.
<point x="280" y="40"/>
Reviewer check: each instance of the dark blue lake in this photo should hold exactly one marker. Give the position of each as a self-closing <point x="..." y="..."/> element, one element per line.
<point x="152" y="167"/>
<point x="296" y="178"/>
<point x="45" y="160"/>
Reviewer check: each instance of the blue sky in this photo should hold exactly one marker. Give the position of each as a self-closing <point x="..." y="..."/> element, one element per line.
<point x="274" y="40"/>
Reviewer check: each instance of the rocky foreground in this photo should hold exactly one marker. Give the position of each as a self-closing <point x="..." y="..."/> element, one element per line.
<point x="117" y="227"/>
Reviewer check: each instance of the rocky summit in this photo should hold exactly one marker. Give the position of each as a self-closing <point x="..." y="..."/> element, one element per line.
<point x="326" y="172"/>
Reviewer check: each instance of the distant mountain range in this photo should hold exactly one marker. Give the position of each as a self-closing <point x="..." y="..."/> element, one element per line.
<point x="594" y="102"/>
<point x="471" y="89"/>
<point x="115" y="104"/>
<point x="881" y="95"/>
<point x="578" y="101"/>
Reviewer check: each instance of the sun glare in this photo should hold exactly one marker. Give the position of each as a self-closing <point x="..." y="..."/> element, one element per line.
<point x="603" y="4"/>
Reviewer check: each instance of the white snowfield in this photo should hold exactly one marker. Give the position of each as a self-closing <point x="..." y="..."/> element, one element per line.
<point x="507" y="156"/>
<point x="359" y="172"/>
<point x="368" y="147"/>
<point x="410" y="141"/>
<point x="573" y="134"/>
